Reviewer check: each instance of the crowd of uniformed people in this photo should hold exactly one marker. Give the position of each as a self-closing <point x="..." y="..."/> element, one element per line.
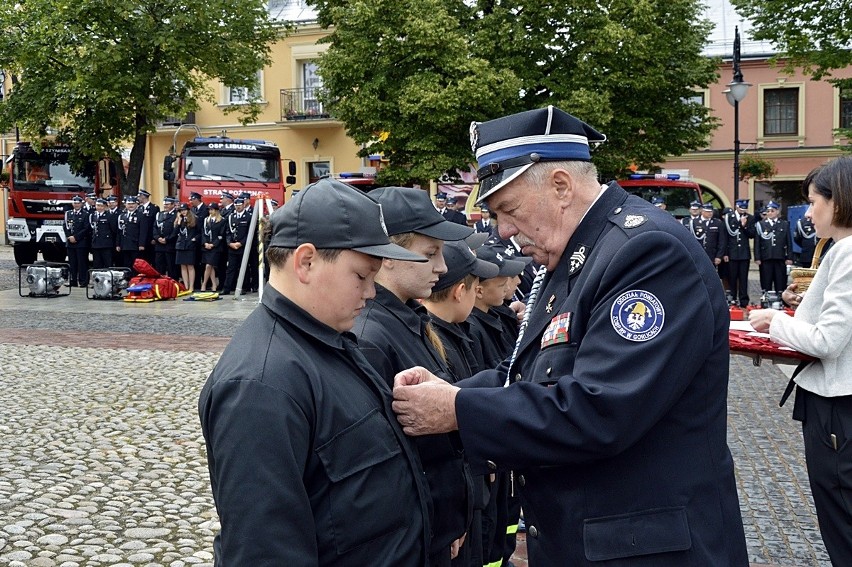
<point x="200" y="245"/>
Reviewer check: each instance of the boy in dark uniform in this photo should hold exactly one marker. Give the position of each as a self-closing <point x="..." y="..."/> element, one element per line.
<point x="77" y="229"/>
<point x="308" y="465"/>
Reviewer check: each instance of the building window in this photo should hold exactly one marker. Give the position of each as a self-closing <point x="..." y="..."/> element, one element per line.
<point x="781" y="112"/>
<point x="846" y="108"/>
<point x="317" y="170"/>
<point x="244" y="95"/>
<point x="312" y="83"/>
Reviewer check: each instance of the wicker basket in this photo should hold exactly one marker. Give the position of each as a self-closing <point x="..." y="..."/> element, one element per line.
<point x="803" y="277"/>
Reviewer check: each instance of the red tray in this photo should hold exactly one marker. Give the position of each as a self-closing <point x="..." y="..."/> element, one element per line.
<point x="760" y="348"/>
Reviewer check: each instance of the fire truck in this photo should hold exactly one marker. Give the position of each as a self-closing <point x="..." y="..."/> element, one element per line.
<point x="41" y="185"/>
<point x="211" y="165"/>
<point x="677" y="192"/>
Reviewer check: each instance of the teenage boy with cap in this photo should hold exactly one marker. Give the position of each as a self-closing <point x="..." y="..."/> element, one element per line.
<point x="77" y="234"/>
<point x="773" y="249"/>
<point x="617" y="441"/>
<point x="739" y="226"/>
<point x="307" y="462"/>
<point x="394" y="333"/>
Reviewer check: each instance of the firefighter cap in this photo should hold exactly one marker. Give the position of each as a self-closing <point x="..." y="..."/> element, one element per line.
<point x="658" y="201"/>
<point x="213" y="205"/>
<point x="195" y="195"/>
<point x="101" y="202"/>
<point x="239" y="201"/>
<point x="183" y="207"/>
<point x="77" y="199"/>
<point x="169" y="200"/>
<point x="496" y="255"/>
<point x="143" y="193"/>
<point x="132" y="199"/>
<point x="508" y="146"/>
<point x="772" y="205"/>
<point x="461" y="261"/>
<point x="91" y="195"/>
<point x="112" y="198"/>
<point x="694" y="205"/>
<point x="227" y="195"/>
<point x="333" y="215"/>
<point x="707" y="207"/>
<point x="410" y="210"/>
<point x="742" y="203"/>
<point x="245" y="195"/>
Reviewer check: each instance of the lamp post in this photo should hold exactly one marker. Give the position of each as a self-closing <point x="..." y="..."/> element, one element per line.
<point x="736" y="91"/>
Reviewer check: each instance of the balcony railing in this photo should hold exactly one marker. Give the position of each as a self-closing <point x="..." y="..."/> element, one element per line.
<point x="302" y="104"/>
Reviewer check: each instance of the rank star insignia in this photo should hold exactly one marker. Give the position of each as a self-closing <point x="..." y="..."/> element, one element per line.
<point x="632" y="221"/>
<point x="577" y="259"/>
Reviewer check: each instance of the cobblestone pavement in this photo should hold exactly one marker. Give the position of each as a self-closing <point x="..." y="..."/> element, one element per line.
<point x="102" y="462"/>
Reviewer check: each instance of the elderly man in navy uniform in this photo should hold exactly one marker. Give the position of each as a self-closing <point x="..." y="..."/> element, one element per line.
<point x="617" y="440"/>
<point x="739" y="226"/>
<point x="773" y="249"/>
<point x="308" y="465"/>
<point x="77" y="234"/>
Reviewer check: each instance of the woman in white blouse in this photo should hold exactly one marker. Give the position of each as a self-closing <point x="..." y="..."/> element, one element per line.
<point x="822" y="328"/>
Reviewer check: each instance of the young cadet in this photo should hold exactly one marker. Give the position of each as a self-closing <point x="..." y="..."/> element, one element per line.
<point x="395" y="333"/>
<point x="307" y="463"/>
<point x="486" y="328"/>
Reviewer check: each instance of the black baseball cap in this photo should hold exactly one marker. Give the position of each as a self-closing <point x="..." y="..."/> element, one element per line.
<point x="333" y="215"/>
<point x="495" y="255"/>
<point x="461" y="262"/>
<point x="411" y="210"/>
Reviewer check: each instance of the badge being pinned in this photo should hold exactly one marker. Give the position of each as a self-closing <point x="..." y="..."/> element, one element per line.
<point x="637" y="315"/>
<point x="558" y="331"/>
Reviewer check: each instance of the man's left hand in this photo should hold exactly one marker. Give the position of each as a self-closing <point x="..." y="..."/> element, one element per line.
<point x="424" y="404"/>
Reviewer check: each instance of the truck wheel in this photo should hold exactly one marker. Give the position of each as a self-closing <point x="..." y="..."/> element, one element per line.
<point x="53" y="253"/>
<point x="25" y="253"/>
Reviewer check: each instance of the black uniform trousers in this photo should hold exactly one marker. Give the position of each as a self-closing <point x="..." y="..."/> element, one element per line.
<point x="738" y="280"/>
<point x="128" y="257"/>
<point x="235" y="260"/>
<point x="102" y="258"/>
<point x="773" y="275"/>
<point x="164" y="262"/>
<point x="827" y="432"/>
<point x="78" y="261"/>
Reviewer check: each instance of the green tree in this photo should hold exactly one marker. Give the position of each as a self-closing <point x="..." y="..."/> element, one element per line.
<point x="423" y="70"/>
<point x="811" y="35"/>
<point x="102" y="73"/>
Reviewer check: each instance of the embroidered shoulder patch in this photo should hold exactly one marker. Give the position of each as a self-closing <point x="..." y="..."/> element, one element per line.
<point x="632" y="221"/>
<point x="637" y="315"/>
<point x="558" y="331"/>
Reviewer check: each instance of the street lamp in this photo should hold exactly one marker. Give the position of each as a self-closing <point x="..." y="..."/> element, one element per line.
<point x="736" y="91"/>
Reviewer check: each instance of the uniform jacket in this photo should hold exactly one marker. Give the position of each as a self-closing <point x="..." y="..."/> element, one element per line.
<point x="392" y="336"/>
<point x="455" y="216"/>
<point x="458" y="346"/>
<point x="165" y="228"/>
<point x="308" y="464"/>
<point x="773" y="241"/>
<point x="131" y="236"/>
<point x="805" y="236"/>
<point x="739" y="247"/>
<point x="104" y="230"/>
<point x="213" y="233"/>
<point x="147" y="220"/>
<point x="480" y="226"/>
<point x="201" y="212"/>
<point x="615" y="418"/>
<point x="238" y="229"/>
<point x="77" y="225"/>
<point x="711" y="235"/>
<point x="187" y="236"/>
<point x="492" y="345"/>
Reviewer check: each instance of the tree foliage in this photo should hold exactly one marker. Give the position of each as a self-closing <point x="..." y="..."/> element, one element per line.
<point x="103" y="73"/>
<point x="812" y="35"/>
<point x="423" y="70"/>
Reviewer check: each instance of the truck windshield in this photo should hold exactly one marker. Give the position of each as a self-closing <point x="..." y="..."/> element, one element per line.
<point x="220" y="166"/>
<point x="39" y="173"/>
